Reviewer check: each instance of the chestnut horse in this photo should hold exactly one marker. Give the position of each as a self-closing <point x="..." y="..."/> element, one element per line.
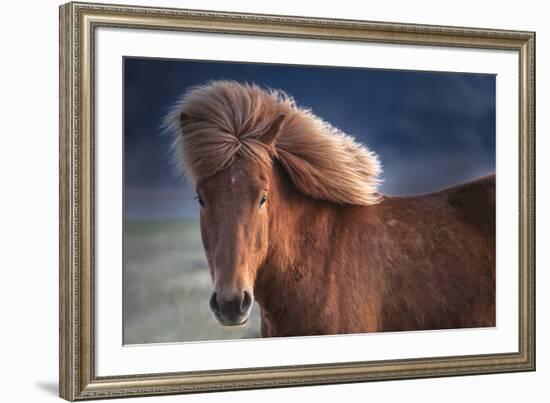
<point x="291" y="217"/>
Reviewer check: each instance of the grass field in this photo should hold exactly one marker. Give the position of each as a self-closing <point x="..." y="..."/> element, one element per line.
<point x="167" y="284"/>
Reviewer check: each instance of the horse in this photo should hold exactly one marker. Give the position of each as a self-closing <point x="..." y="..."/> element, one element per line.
<point x="291" y="217"/>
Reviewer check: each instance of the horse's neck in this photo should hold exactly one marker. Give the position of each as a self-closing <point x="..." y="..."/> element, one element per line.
<point x="299" y="238"/>
<point x="298" y="230"/>
<point x="297" y="222"/>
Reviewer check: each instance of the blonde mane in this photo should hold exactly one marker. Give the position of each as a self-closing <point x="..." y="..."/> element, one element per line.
<point x="214" y="123"/>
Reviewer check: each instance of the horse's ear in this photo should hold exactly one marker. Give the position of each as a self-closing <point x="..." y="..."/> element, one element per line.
<point x="184" y="119"/>
<point x="268" y="138"/>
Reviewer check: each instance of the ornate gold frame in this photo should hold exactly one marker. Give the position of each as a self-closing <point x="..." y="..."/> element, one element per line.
<point x="78" y="21"/>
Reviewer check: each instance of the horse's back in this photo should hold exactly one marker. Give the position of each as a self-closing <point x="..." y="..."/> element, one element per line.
<point x="471" y="203"/>
<point x="474" y="203"/>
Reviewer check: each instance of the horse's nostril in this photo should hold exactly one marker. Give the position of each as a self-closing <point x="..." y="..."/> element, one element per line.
<point x="214" y="302"/>
<point x="246" y="301"/>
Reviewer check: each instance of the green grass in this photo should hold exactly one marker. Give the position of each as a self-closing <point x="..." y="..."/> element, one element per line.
<point x="166" y="286"/>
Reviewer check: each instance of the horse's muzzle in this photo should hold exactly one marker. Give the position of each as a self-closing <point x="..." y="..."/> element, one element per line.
<point x="233" y="311"/>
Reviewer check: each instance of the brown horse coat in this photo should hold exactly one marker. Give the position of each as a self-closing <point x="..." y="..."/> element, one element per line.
<point x="291" y="217"/>
<point x="425" y="262"/>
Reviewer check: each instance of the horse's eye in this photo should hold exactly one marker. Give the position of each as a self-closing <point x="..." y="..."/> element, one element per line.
<point x="263" y="200"/>
<point x="199" y="199"/>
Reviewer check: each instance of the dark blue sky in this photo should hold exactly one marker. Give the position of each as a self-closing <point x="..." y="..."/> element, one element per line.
<point x="430" y="129"/>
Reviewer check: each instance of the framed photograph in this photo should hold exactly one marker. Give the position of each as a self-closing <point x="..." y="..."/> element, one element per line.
<point x="256" y="201"/>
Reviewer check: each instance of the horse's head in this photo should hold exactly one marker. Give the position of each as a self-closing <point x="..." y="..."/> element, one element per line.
<point x="226" y="137"/>
<point x="234" y="213"/>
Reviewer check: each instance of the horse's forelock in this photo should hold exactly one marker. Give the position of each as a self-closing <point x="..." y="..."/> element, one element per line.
<point x="226" y="119"/>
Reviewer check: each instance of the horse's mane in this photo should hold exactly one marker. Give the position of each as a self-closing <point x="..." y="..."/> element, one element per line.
<point x="216" y="122"/>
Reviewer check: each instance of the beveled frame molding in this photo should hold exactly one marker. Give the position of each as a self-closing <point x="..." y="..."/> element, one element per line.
<point x="77" y="378"/>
